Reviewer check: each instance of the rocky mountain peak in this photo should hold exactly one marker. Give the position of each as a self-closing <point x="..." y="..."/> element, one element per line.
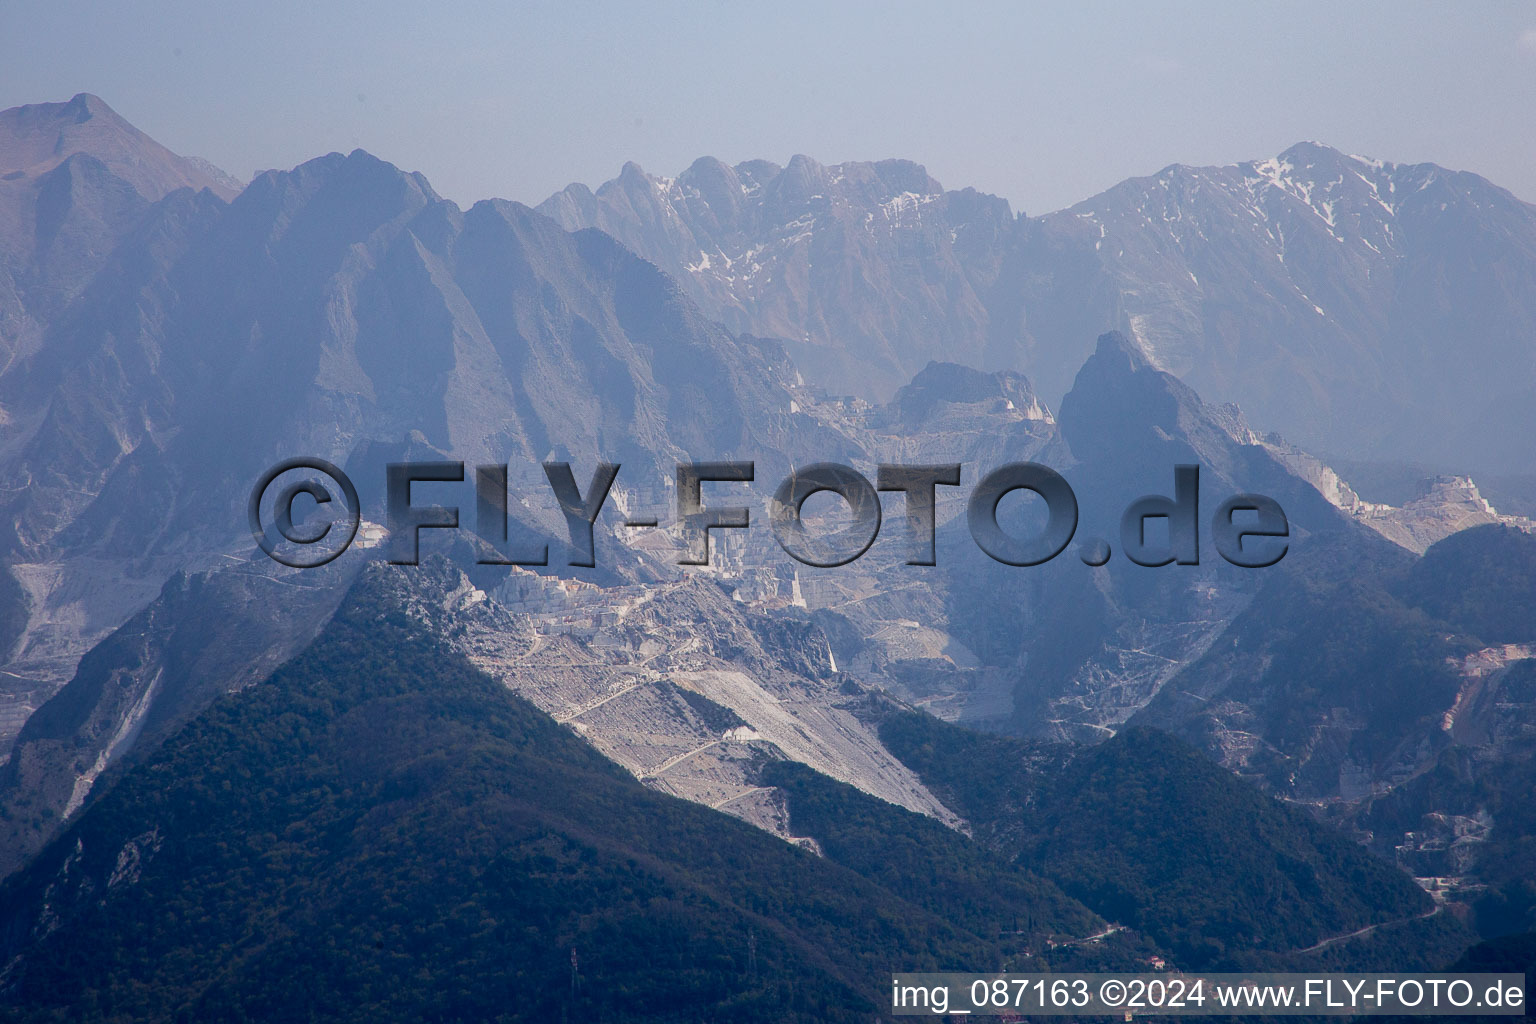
<point x="1324" y="292"/>
<point x="1125" y="412"/>
<point x="1116" y="353"/>
<point x="710" y="175"/>
<point x="632" y="173"/>
<point x="357" y="171"/>
<point x="83" y="106"/>
<point x="942" y="392"/>
<point x="37" y="137"/>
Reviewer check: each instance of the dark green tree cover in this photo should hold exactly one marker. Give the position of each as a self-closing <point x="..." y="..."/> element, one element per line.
<point x="1463" y="783"/>
<point x="1147" y="832"/>
<point x="1146" y="829"/>
<point x="937" y="868"/>
<point x="1507" y="953"/>
<point x="1510" y="954"/>
<point x="379" y="832"/>
<point x="1374" y="632"/>
<point x="1481" y="581"/>
<point x="1313" y="641"/>
<point x="1326" y="639"/>
<point x="1507" y="863"/>
<point x="1415" y="943"/>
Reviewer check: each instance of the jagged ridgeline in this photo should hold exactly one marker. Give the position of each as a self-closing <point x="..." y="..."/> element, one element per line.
<point x="1341" y="300"/>
<point x="380" y="830"/>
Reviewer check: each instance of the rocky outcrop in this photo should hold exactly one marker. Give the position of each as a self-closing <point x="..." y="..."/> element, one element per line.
<point x="1340" y="300"/>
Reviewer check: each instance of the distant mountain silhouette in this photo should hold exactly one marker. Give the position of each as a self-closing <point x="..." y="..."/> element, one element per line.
<point x="1358" y="307"/>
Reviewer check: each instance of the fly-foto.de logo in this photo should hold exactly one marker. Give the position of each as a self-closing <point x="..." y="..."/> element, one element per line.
<point x="304" y="512"/>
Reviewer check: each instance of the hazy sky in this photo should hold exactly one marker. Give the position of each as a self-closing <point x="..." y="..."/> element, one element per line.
<point x="1043" y="104"/>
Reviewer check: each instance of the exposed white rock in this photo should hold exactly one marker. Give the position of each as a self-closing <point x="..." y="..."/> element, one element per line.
<point x="1449" y="505"/>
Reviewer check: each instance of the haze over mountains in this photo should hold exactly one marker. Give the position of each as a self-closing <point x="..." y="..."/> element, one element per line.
<point x="169" y="338"/>
<point x="1358" y="307"/>
<point x="74" y="179"/>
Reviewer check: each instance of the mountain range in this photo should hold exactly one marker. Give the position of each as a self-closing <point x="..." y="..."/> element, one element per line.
<point x="1361" y="308"/>
<point x="1339" y="725"/>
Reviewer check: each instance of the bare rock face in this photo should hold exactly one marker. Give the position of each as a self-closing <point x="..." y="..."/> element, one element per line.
<point x="75" y="180"/>
<point x="41" y="136"/>
<point x="204" y="635"/>
<point x="83" y="196"/>
<point x="688" y="689"/>
<point x="1445" y="505"/>
<point x="1448" y="505"/>
<point x="1340" y="300"/>
<point x="949" y="392"/>
<point x="860" y="268"/>
<point x="328" y="309"/>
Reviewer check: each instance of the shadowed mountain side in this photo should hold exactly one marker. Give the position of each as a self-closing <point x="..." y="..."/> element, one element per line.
<point x="395" y="834"/>
<point x="1139" y="827"/>
<point x="342" y="302"/>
